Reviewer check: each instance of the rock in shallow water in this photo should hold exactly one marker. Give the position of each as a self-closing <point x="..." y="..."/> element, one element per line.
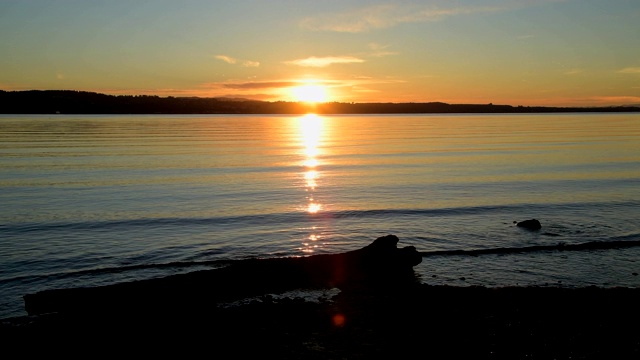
<point x="531" y="224"/>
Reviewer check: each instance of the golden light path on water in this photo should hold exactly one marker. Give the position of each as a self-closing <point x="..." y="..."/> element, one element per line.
<point x="310" y="131"/>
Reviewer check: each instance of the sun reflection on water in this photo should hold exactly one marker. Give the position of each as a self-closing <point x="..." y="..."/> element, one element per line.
<point x="314" y="208"/>
<point x="311" y="128"/>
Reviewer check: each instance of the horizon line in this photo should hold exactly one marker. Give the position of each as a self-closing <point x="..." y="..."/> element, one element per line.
<point x="239" y="99"/>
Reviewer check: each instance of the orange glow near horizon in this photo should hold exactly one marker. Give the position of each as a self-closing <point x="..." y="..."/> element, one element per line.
<point x="310" y="92"/>
<point x="356" y="52"/>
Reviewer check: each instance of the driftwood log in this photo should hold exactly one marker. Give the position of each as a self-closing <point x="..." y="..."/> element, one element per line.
<point x="379" y="262"/>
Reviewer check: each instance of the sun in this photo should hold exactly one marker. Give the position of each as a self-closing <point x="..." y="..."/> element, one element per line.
<point x="310" y="93"/>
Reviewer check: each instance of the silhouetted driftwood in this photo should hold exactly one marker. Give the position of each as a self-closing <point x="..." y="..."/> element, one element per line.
<point x="380" y="261"/>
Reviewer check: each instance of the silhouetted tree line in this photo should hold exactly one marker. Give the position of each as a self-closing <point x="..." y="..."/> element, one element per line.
<point x="82" y="102"/>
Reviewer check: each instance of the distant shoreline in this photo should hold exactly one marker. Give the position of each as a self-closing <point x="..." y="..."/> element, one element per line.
<point x="81" y="102"/>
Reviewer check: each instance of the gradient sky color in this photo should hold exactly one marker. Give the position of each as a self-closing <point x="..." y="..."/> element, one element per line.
<point x="515" y="52"/>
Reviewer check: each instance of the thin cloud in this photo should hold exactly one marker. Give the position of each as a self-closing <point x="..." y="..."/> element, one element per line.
<point x="207" y="90"/>
<point x="380" y="50"/>
<point x="314" y="61"/>
<point x="146" y="91"/>
<point x="385" y="16"/>
<point x="363" y="84"/>
<point x="573" y="72"/>
<point x="256" y="90"/>
<point x="260" y="85"/>
<point x="249" y="63"/>
<point x="630" y="70"/>
<point x="367" y="80"/>
<point x="622" y="100"/>
<point x="227" y="59"/>
<point x="272" y="84"/>
<point x="232" y="60"/>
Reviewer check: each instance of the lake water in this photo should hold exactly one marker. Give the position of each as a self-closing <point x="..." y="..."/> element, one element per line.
<point x="95" y="200"/>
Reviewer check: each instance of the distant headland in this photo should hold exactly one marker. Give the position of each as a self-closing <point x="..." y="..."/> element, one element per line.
<point x="82" y="102"/>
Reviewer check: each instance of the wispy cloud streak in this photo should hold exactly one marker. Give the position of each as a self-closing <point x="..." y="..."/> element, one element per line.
<point x="385" y="16"/>
<point x="630" y="70"/>
<point x="232" y="60"/>
<point x="573" y="72"/>
<point x="261" y="85"/>
<point x="227" y="59"/>
<point x="380" y="50"/>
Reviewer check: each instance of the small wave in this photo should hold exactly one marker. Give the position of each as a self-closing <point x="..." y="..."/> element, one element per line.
<point x="593" y="245"/>
<point x="628" y="237"/>
<point x="279" y="218"/>
<point x="175" y="264"/>
<point x="212" y="264"/>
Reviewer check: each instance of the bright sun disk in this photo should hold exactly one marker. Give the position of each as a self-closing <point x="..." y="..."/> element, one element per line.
<point x="310" y="93"/>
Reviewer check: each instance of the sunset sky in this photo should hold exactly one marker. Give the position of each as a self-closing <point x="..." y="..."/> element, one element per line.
<point x="516" y="52"/>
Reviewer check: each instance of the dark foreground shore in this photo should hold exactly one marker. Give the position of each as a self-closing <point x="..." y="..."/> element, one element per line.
<point x="398" y="322"/>
<point x="377" y="316"/>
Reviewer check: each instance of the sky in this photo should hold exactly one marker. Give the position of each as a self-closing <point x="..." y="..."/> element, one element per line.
<point x="513" y="52"/>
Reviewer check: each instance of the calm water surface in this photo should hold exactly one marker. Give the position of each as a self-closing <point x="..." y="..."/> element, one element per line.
<point x="94" y="200"/>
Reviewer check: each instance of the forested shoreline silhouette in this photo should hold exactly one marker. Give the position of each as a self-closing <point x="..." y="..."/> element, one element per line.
<point x="82" y="102"/>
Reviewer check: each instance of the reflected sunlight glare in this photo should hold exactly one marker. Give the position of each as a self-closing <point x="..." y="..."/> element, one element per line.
<point x="314" y="208"/>
<point x="310" y="132"/>
<point x="311" y="176"/>
<point x="311" y="128"/>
